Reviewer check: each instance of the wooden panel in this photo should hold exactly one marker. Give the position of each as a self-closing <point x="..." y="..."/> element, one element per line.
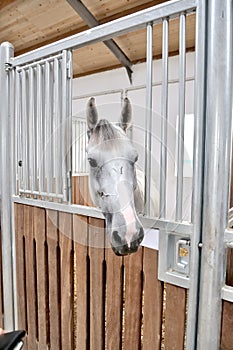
<point x="30" y="277"/>
<point x="80" y="190"/>
<point x="227" y="326"/>
<point x="66" y="279"/>
<point x="20" y="261"/>
<point x="80" y="282"/>
<point x="153" y="301"/>
<point x="227" y="311"/>
<point x="97" y="282"/>
<point x="133" y="301"/>
<point x="41" y="273"/>
<point x="53" y="278"/>
<point x="175" y="317"/>
<point x="114" y="300"/>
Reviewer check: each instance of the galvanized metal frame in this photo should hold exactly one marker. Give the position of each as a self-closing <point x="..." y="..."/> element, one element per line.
<point x="6" y="172"/>
<point x="206" y="231"/>
<point x="43" y="127"/>
<point x="106" y="31"/>
<point x="217" y="170"/>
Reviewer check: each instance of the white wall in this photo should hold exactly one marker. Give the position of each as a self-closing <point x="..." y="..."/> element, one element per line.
<point x="109" y="87"/>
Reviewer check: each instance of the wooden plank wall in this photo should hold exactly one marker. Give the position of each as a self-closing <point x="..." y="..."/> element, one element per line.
<point x="74" y="293"/>
<point x="80" y="192"/>
<point x="227" y="311"/>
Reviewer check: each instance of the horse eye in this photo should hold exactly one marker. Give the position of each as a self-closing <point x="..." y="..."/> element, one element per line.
<point x="92" y="162"/>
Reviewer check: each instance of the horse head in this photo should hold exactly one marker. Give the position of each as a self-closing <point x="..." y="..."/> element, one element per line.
<point x="112" y="179"/>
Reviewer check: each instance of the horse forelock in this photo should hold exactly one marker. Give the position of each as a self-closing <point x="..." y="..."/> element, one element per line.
<point x="105" y="131"/>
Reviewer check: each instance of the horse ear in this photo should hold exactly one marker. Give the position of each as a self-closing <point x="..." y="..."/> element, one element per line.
<point x="126" y="114"/>
<point x="92" y="114"/>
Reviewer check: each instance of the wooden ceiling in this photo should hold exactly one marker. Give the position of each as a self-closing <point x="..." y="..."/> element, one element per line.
<point x="30" y="24"/>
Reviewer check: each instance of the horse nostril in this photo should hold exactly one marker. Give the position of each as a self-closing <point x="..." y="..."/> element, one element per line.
<point x="116" y="236"/>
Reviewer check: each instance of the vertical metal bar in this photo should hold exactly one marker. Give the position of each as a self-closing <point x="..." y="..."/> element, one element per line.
<point x="149" y="67"/>
<point x="48" y="127"/>
<point x="180" y="155"/>
<point x="57" y="126"/>
<point x="17" y="131"/>
<point x="6" y="120"/>
<point x="31" y="133"/>
<point x="40" y="138"/>
<point x="69" y="69"/>
<point x="198" y="172"/>
<point x="217" y="170"/>
<point x="64" y="125"/>
<point x="164" y="107"/>
<point x="24" y="132"/>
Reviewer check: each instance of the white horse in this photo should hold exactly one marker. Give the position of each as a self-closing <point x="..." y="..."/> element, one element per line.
<point x="113" y="181"/>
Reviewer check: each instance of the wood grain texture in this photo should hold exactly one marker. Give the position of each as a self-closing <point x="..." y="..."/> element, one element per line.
<point x="20" y="261"/>
<point x="41" y="274"/>
<point x="175" y="315"/>
<point x="114" y="300"/>
<point x="227" y="326"/>
<point x="53" y="279"/>
<point x="153" y="300"/>
<point x="80" y="282"/>
<point x="66" y="280"/>
<point x="30" y="277"/>
<point x="97" y="283"/>
<point x="133" y="301"/>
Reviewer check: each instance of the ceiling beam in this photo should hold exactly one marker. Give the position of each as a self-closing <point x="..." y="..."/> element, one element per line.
<point x="91" y="21"/>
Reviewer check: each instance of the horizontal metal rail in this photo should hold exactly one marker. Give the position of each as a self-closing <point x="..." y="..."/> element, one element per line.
<point x="228" y="237"/>
<point x="227" y="293"/>
<point x="181" y="228"/>
<point x="106" y="31"/>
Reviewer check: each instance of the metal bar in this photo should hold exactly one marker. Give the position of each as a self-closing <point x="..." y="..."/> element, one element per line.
<point x="99" y="93"/>
<point x="227" y="293"/>
<point x="198" y="171"/>
<point x="18" y="132"/>
<point x="69" y="70"/>
<point x="180" y="141"/>
<point x="48" y="127"/>
<point x="40" y="62"/>
<point x="43" y="194"/>
<point x="91" y="21"/>
<point x="57" y="173"/>
<point x="72" y="208"/>
<point x="64" y="125"/>
<point x="24" y="132"/>
<point x="40" y="137"/>
<point x="181" y="228"/>
<point x="164" y="102"/>
<point x="149" y="76"/>
<point x="159" y="83"/>
<point x="32" y="133"/>
<point x="217" y="170"/>
<point x="106" y="31"/>
<point x="228" y="236"/>
<point x="6" y="120"/>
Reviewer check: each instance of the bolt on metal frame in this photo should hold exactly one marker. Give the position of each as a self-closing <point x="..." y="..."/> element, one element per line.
<point x="209" y="111"/>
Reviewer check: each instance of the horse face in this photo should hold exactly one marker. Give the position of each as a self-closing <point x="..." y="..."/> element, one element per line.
<point x="112" y="183"/>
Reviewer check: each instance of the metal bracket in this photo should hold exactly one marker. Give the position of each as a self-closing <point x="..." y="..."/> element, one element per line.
<point x="174" y="258"/>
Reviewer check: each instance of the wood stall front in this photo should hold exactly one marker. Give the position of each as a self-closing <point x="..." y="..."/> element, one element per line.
<point x="74" y="293"/>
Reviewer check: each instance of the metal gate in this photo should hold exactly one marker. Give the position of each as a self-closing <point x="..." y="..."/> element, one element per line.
<point x="35" y="113"/>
